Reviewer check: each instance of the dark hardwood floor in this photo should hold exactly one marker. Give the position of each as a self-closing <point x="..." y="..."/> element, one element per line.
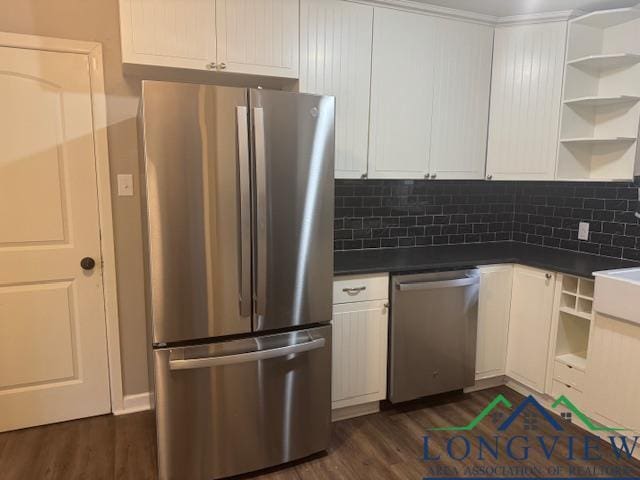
<point x="388" y="445"/>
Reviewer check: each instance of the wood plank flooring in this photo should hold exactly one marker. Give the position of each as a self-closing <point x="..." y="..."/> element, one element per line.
<point x="387" y="445"/>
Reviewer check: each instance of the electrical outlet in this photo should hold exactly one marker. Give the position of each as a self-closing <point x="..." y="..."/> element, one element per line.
<point x="125" y="185"/>
<point x="583" y="231"/>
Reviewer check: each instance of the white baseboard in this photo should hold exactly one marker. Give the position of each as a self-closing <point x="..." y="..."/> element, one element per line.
<point x="135" y="403"/>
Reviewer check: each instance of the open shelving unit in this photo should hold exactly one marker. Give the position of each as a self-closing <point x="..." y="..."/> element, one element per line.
<point x="601" y="100"/>
<point x="569" y="350"/>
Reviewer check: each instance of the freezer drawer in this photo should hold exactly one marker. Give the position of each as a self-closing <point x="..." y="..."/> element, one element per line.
<point x="233" y="407"/>
<point x="434" y="320"/>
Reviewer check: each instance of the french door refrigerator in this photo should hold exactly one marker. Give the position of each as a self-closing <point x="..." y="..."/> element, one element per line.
<point x="239" y="250"/>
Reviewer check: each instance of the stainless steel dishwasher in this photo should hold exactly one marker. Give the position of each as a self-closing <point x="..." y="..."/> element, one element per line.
<point x="434" y="319"/>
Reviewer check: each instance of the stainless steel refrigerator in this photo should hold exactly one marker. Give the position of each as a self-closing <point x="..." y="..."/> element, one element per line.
<point x="239" y="247"/>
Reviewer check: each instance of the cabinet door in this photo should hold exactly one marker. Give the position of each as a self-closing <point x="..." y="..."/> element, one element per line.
<point x="401" y="94"/>
<point x="335" y="59"/>
<point x="359" y="353"/>
<point x="526" y="87"/>
<point x="612" y="387"/>
<point x="494" y="306"/>
<point x="168" y="32"/>
<point x="258" y="37"/>
<point x="461" y="100"/>
<point x="529" y="326"/>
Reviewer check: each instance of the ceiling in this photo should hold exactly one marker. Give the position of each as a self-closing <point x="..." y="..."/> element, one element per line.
<point x="505" y="8"/>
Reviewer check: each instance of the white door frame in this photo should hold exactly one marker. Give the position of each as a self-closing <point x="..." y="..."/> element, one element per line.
<point x="98" y="102"/>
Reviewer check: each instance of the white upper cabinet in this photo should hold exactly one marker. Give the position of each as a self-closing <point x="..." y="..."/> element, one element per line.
<point x="529" y="326"/>
<point x="168" y="32"/>
<point x="528" y="62"/>
<point x="401" y="94"/>
<point x="461" y="100"/>
<point x="335" y="59"/>
<point x="258" y="37"/>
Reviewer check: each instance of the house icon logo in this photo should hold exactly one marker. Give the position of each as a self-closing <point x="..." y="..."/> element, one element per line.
<point x="524" y="409"/>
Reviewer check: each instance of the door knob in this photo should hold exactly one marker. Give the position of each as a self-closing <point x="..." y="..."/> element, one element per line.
<point x="87" y="263"/>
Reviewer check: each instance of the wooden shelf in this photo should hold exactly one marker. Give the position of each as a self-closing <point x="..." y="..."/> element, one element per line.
<point x="601" y="101"/>
<point x="576" y="360"/>
<point x="606" y="61"/>
<point x="598" y="141"/>
<point x="608" y="18"/>
<point x="576" y="313"/>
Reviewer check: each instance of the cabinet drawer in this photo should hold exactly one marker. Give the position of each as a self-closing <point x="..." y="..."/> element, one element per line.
<point x="360" y="288"/>
<point x="573" y="394"/>
<point x="570" y="375"/>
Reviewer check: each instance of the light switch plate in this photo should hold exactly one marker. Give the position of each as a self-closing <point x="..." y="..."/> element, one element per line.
<point x="583" y="231"/>
<point x="125" y="185"/>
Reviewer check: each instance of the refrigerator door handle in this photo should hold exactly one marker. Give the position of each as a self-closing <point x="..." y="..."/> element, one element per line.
<point x="261" y="214"/>
<point x="245" y="211"/>
<point x="208" y="362"/>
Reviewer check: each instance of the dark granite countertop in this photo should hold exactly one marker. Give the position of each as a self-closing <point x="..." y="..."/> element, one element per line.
<point x="466" y="255"/>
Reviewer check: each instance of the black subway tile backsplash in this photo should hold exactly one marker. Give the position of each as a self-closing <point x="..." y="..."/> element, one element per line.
<point x="407" y="213"/>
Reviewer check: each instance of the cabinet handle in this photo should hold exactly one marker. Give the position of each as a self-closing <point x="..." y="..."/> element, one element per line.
<point x="426" y="176"/>
<point x="489" y="177"/>
<point x="211" y="66"/>
<point x="386" y="305"/>
<point x="433" y="175"/>
<point x="363" y="176"/>
<point x="354" y="291"/>
<point x="548" y="276"/>
<point x="222" y="66"/>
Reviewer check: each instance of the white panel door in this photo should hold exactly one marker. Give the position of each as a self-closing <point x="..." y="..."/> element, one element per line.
<point x="526" y="88"/>
<point x="529" y="326"/>
<point x="53" y="356"/>
<point x="461" y="100"/>
<point x="401" y="94"/>
<point x="259" y="37"/>
<point x="168" y="32"/>
<point x="494" y="307"/>
<point x="335" y="59"/>
<point x="612" y="386"/>
<point x="359" y="372"/>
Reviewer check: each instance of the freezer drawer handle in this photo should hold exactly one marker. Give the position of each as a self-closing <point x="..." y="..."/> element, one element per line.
<point x="246" y="357"/>
<point x="460" y="282"/>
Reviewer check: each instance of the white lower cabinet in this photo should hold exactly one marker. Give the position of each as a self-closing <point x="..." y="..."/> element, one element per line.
<point x="529" y="326"/>
<point x="493" y="320"/>
<point x="360" y="330"/>
<point x="612" y="387"/>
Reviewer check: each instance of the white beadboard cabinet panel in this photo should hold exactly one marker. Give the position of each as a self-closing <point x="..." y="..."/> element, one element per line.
<point x="526" y="88"/>
<point x="168" y="32"/>
<point x="494" y="306"/>
<point x="530" y="326"/>
<point x="401" y="94"/>
<point x="359" y="373"/>
<point x="612" y="387"/>
<point x="335" y="59"/>
<point x="258" y="37"/>
<point x="461" y="100"/>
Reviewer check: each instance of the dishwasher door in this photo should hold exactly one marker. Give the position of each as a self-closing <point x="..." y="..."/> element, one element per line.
<point x="434" y="319"/>
<point x="233" y="407"/>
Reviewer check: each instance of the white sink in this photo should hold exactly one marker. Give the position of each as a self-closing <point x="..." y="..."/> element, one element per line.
<point x="617" y="294"/>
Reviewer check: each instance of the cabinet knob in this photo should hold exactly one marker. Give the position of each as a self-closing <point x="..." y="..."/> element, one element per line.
<point x="426" y="176"/>
<point x="433" y="175"/>
<point x="548" y="276"/>
<point x="222" y="66"/>
<point x="489" y="177"/>
<point x="211" y="66"/>
<point x="363" y="176"/>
